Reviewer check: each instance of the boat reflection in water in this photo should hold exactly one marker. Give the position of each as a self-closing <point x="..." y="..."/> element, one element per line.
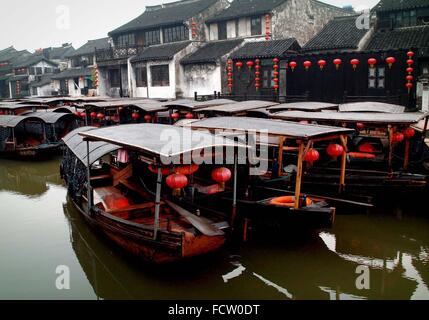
<point x="28" y="179"/>
<point x="316" y="266"/>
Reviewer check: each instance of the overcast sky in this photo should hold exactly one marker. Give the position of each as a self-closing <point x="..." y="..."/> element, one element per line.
<point x="29" y="24"/>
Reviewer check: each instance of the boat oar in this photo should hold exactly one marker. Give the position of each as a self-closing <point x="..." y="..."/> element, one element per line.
<point x="203" y="225"/>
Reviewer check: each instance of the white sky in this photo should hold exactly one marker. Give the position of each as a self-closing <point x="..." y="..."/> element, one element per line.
<point x="30" y="24"/>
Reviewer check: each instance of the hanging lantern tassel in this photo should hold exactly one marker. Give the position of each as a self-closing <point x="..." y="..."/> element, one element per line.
<point x="337" y="63"/>
<point x="372" y="62"/>
<point x="322" y="64"/>
<point x="307" y="65"/>
<point x="354" y="63"/>
<point x="390" y="61"/>
<point x="293" y="65"/>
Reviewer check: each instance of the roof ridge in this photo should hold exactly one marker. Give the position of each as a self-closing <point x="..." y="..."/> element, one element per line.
<point x="168" y="5"/>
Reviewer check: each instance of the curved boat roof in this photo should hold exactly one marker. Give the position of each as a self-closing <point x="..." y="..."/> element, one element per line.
<point x="196" y="105"/>
<point x="14" y="121"/>
<point x="51" y="117"/>
<point x="146" y="105"/>
<point x="238" y="107"/>
<point x="374" y="118"/>
<point x="371" y="107"/>
<point x="273" y="127"/>
<point x="74" y="141"/>
<point x="16" y="106"/>
<point x="304" y="106"/>
<point x="159" y="140"/>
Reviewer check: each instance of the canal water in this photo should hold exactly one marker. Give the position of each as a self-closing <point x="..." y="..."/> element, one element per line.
<point x="40" y="230"/>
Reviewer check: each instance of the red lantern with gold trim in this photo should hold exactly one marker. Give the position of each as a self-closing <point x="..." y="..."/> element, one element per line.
<point x="409" y="86"/>
<point x="410" y="62"/>
<point x="175" y="116"/>
<point x="307" y="64"/>
<point x="189" y="116"/>
<point x="239" y="65"/>
<point x="398" y="137"/>
<point x="410" y="70"/>
<point x="221" y="175"/>
<point x="293" y="65"/>
<point x="335" y="150"/>
<point x="312" y="156"/>
<point x="390" y="61"/>
<point x="372" y="62"/>
<point x="410" y="54"/>
<point x="409" y="133"/>
<point x="337" y="63"/>
<point x="322" y="64"/>
<point x="354" y="63"/>
<point x="409" y="78"/>
<point x="148" y="118"/>
<point x="177" y="182"/>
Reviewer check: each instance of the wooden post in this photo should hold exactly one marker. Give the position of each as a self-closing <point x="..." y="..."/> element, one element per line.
<point x="157" y="204"/>
<point x="425" y="128"/>
<point x="390" y="128"/>
<point x="88" y="173"/>
<point x="234" y="197"/>
<point x="280" y="160"/>
<point x="343" y="164"/>
<point x="299" y="175"/>
<point x="407" y="154"/>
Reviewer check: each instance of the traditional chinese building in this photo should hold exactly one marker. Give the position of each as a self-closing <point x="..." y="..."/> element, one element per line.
<point x="8" y="57"/>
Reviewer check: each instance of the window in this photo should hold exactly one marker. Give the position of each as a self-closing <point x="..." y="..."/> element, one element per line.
<point x="177" y="33"/>
<point x="126" y="40"/>
<point x="160" y="76"/>
<point x="152" y="37"/>
<point x="376" y="78"/>
<point x="39" y="70"/>
<point x="403" y="19"/>
<point x="222" y="31"/>
<point x="114" y="77"/>
<point x="256" y="26"/>
<point x="141" y="76"/>
<point x="49" y="70"/>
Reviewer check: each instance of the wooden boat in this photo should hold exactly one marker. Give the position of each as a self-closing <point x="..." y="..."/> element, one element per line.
<point x="265" y="201"/>
<point x="25" y="138"/>
<point x="375" y="159"/>
<point x="124" y="199"/>
<point x="19" y="108"/>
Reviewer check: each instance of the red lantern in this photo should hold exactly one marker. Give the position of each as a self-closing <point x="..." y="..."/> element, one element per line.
<point x="337" y="63"/>
<point x="372" y="62"/>
<point x="221" y="175"/>
<point x="229" y="69"/>
<point x="230" y="75"/>
<point x="360" y="126"/>
<point x="276" y="87"/>
<point x="148" y="118"/>
<point x="322" y="64"/>
<point x="398" y="137"/>
<point x="135" y="116"/>
<point x="335" y="150"/>
<point x="100" y="116"/>
<point x="257" y="85"/>
<point x="189" y="116"/>
<point x="230" y="85"/>
<point x="83" y="115"/>
<point x="410" y="78"/>
<point x="239" y="65"/>
<point x="409" y="133"/>
<point x="410" y="54"/>
<point x="276" y="60"/>
<point x="409" y="86"/>
<point x="93" y="115"/>
<point x="250" y="64"/>
<point x="312" y="155"/>
<point x="175" y="116"/>
<point x="390" y="61"/>
<point x="307" y="65"/>
<point x="276" y="67"/>
<point x="1" y="112"/>
<point x="354" y="63"/>
<point x="257" y="61"/>
<point x="410" y="70"/>
<point x="77" y="114"/>
<point x="276" y="74"/>
<point x="177" y="182"/>
<point x="230" y="62"/>
<point x="293" y="65"/>
<point x="410" y="62"/>
<point x="257" y="73"/>
<point x="258" y="67"/>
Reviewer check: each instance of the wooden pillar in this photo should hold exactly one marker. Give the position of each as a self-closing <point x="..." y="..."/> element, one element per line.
<point x="88" y="173"/>
<point x="425" y="128"/>
<point x="157" y="204"/>
<point x="299" y="175"/>
<point x="280" y="159"/>
<point x="343" y="164"/>
<point x="407" y="154"/>
<point x="234" y="196"/>
<point x="390" y="129"/>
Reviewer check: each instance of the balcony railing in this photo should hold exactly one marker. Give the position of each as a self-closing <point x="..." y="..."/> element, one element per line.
<point x="117" y="53"/>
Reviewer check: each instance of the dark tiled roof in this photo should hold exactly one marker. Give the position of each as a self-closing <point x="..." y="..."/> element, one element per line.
<point x="211" y="52"/>
<point x="244" y="8"/>
<point x="161" y="52"/>
<point x="339" y="33"/>
<point x="44" y="80"/>
<point x="60" y="53"/>
<point x="90" y="46"/>
<point x="28" y="61"/>
<point x="73" y="73"/>
<point x="390" y="5"/>
<point x="404" y="38"/>
<point x="11" y="54"/>
<point x="266" y="49"/>
<point x="166" y="14"/>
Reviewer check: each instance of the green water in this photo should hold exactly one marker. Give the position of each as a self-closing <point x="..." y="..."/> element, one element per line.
<point x="39" y="231"/>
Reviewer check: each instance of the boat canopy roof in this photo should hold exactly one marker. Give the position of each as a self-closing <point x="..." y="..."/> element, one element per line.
<point x="74" y="141"/>
<point x="144" y="105"/>
<point x="371" y="107"/>
<point x="50" y="117"/>
<point x="51" y="100"/>
<point x="154" y="139"/>
<point x="274" y="127"/>
<point x="14" y="121"/>
<point x="374" y="118"/>
<point x="239" y="107"/>
<point x="17" y="106"/>
<point x="196" y="105"/>
<point x="304" y="106"/>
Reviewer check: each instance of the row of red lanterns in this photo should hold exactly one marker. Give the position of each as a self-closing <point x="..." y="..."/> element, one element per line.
<point x="267" y="27"/>
<point x="333" y="150"/>
<point x="276" y="74"/>
<point x="409" y="78"/>
<point x="257" y="74"/>
<point x="194" y="29"/>
<point x="230" y="74"/>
